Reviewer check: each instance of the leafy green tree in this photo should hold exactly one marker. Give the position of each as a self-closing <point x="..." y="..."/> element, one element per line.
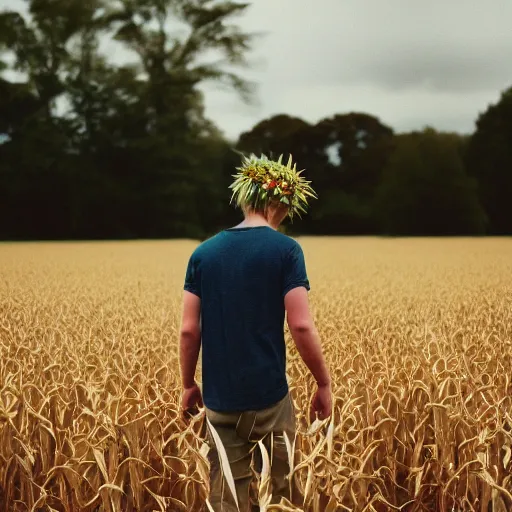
<point x="34" y="185"/>
<point x="343" y="155"/>
<point x="174" y="66"/>
<point x="489" y="160"/>
<point x="355" y="148"/>
<point x="129" y="152"/>
<point x="176" y="147"/>
<point x="272" y="136"/>
<point x="41" y="167"/>
<point x="425" y="189"/>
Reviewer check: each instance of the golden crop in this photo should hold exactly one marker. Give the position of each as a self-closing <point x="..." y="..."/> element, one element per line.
<point x="417" y="333"/>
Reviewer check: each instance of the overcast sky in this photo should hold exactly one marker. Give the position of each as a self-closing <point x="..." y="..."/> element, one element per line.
<point x="412" y="63"/>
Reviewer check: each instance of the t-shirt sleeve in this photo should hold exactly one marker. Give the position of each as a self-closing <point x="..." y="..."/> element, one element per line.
<point x="294" y="271"/>
<point x="192" y="278"/>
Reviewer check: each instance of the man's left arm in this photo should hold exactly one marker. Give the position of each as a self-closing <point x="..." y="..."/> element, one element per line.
<point x="190" y="345"/>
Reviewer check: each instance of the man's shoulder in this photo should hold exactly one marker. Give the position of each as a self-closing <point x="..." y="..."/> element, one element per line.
<point x="287" y="241"/>
<point x="207" y="244"/>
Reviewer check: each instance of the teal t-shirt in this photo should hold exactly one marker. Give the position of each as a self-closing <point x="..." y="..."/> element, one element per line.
<point x="241" y="276"/>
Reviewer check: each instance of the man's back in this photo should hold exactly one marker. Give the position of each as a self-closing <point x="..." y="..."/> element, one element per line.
<point x="242" y="276"/>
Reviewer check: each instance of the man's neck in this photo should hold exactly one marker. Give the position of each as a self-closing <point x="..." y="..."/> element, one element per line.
<point x="253" y="220"/>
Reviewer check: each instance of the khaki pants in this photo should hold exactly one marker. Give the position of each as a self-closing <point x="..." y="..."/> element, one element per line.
<point x="239" y="433"/>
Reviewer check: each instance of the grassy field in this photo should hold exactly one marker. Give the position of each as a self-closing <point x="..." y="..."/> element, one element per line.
<point x="417" y="332"/>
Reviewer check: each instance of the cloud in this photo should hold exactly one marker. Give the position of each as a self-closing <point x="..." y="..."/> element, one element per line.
<point x="412" y="63"/>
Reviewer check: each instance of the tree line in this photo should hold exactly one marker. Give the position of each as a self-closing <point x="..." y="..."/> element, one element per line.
<point x="91" y="148"/>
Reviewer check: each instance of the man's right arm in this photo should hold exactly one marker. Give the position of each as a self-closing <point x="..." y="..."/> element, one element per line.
<point x="307" y="341"/>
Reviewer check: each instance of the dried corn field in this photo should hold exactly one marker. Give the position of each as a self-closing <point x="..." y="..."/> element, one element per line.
<point x="417" y="332"/>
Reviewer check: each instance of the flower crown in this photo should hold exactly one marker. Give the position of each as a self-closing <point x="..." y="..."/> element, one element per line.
<point x="262" y="180"/>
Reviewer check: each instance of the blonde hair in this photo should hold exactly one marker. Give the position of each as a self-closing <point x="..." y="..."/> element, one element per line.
<point x="248" y="208"/>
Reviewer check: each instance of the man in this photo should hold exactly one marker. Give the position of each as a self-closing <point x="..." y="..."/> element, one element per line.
<point x="239" y="284"/>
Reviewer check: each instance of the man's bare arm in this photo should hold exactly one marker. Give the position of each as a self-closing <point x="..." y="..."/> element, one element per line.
<point x="305" y="334"/>
<point x="190" y="338"/>
<point x="307" y="341"/>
